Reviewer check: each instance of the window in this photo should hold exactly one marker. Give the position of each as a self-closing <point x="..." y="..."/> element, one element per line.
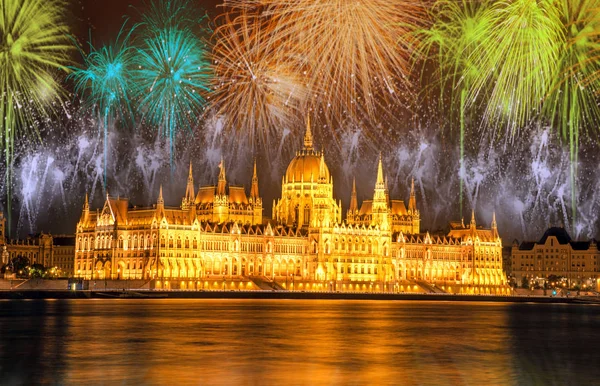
<point x="306" y="215"/>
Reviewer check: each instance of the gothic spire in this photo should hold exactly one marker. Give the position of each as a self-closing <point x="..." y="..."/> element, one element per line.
<point x="254" y="190"/>
<point x="380" y="182"/>
<point x="160" y="201"/>
<point x="353" y="201"/>
<point x="322" y="175"/>
<point x="308" y="138"/>
<point x="412" y="202"/>
<point x="86" y="203"/>
<point x="473" y="223"/>
<point x="222" y="180"/>
<point x="189" y="191"/>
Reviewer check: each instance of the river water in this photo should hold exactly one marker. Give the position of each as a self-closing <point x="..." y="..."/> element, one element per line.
<point x="290" y="342"/>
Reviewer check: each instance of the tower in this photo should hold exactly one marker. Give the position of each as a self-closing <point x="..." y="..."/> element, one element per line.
<point x="190" y="196"/>
<point x="412" y="202"/>
<point x="307" y="190"/>
<point x="85" y="212"/>
<point x="380" y="203"/>
<point x="255" y="199"/>
<point x="353" y="208"/>
<point x="222" y="180"/>
<point x="221" y="203"/>
<point x="160" y="205"/>
<point x="412" y="209"/>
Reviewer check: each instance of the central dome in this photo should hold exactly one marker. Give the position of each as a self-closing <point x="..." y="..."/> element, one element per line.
<point x="307" y="163"/>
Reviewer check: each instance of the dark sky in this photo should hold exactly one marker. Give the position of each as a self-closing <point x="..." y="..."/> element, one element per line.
<point x="104" y="18"/>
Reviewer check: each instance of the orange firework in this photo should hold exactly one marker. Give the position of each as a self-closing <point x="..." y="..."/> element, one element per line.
<point x="258" y="88"/>
<point x="352" y="57"/>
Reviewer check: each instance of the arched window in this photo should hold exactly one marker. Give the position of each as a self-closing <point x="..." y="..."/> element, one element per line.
<point x="187" y="243"/>
<point x="162" y="242"/>
<point x="297" y="214"/>
<point x="195" y="243"/>
<point x="171" y="242"/>
<point x="179" y="242"/>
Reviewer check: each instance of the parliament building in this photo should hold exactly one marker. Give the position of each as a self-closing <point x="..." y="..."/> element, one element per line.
<point x="218" y="239"/>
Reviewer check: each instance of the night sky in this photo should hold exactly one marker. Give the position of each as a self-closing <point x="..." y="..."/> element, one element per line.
<point x="525" y="180"/>
<point x="104" y="18"/>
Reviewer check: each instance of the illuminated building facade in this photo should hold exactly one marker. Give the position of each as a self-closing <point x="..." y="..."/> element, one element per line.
<point x="55" y="252"/>
<point x="556" y="254"/>
<point x="219" y="235"/>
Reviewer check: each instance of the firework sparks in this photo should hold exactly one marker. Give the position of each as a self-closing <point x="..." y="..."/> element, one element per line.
<point x="518" y="59"/>
<point x="352" y="58"/>
<point x="259" y="88"/>
<point x="172" y="74"/>
<point x="104" y="82"/>
<point x="33" y="45"/>
<point x="452" y="43"/>
<point x="571" y="104"/>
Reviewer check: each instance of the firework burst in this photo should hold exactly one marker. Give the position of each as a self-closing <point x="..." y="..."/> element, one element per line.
<point x="33" y="45"/>
<point x="517" y="60"/>
<point x="259" y="88"/>
<point x="172" y="73"/>
<point x="352" y="56"/>
<point x="104" y="82"/>
<point x="452" y="44"/>
<point x="572" y="105"/>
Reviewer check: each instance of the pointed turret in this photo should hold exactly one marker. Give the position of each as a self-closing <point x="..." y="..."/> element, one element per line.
<point x="380" y="182"/>
<point x="254" y="190"/>
<point x="190" y="196"/>
<point x="308" y="138"/>
<point x="494" y="225"/>
<point x="85" y="214"/>
<point x="160" y="200"/>
<point x="473" y="223"/>
<point x="160" y="204"/>
<point x="380" y="208"/>
<point x="353" y="201"/>
<point x="412" y="202"/>
<point x="86" y="203"/>
<point x="322" y="169"/>
<point x="222" y="181"/>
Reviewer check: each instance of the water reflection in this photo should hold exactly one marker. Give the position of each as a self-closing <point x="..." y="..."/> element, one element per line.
<point x="296" y="342"/>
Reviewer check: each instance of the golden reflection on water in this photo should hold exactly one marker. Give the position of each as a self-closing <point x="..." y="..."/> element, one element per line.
<point x="293" y="342"/>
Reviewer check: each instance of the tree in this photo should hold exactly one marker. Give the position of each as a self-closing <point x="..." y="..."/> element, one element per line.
<point x="19" y="265"/>
<point x="37" y="271"/>
<point x="525" y="282"/>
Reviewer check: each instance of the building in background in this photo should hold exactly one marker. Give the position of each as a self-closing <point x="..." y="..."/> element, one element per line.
<point x="220" y="234"/>
<point x="557" y="255"/>
<point x="56" y="253"/>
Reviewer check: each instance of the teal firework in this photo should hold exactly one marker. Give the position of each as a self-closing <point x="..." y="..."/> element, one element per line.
<point x="104" y="84"/>
<point x="172" y="74"/>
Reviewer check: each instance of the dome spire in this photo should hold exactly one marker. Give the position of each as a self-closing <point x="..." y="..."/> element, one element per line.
<point x="308" y="138"/>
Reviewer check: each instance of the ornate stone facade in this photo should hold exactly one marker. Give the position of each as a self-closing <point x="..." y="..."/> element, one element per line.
<point x="556" y="254"/>
<point x="219" y="235"/>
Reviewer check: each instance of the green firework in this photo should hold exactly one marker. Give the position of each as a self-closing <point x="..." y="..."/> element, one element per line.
<point x="517" y="60"/>
<point x="571" y="105"/>
<point x="452" y="45"/>
<point x="33" y="46"/>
